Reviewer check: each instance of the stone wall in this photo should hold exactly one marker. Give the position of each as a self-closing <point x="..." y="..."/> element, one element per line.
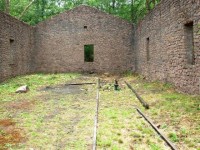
<point x="16" y="40"/>
<point x="59" y="43"/>
<point x="167" y="42"/>
<point x="164" y="46"/>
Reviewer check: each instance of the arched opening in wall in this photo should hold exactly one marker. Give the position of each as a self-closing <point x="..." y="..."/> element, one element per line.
<point x="189" y="41"/>
<point x="147" y="48"/>
<point x="89" y="53"/>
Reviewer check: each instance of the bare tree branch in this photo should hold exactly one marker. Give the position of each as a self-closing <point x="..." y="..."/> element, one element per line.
<point x="154" y="3"/>
<point x="27" y="7"/>
<point x="7" y="6"/>
<point x="148" y="5"/>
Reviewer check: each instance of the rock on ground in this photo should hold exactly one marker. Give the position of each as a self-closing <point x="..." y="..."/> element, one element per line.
<point x="22" y="89"/>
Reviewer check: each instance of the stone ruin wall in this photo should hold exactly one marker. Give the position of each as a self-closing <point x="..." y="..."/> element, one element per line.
<point x="60" y="42"/>
<point x="159" y="49"/>
<point x="163" y="42"/>
<point x="16" y="43"/>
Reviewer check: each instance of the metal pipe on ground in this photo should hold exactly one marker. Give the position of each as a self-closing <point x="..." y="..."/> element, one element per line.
<point x="138" y="96"/>
<point x="79" y="83"/>
<point x="156" y="129"/>
<point x="96" y="117"/>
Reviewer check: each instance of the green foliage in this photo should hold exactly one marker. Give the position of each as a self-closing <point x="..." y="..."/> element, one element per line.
<point x="154" y="146"/>
<point x="128" y="73"/>
<point x="2" y="5"/>
<point x="173" y="137"/>
<point x="40" y="10"/>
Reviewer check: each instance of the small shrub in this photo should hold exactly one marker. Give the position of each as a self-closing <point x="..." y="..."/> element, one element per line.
<point x="173" y="137"/>
<point x="154" y="147"/>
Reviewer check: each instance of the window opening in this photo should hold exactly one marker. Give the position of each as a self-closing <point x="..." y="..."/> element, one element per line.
<point x="12" y="51"/>
<point x="89" y="53"/>
<point x="147" y="48"/>
<point x="189" y="33"/>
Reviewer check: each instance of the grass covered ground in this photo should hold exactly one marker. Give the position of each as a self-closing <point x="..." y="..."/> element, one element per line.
<point x="62" y="117"/>
<point x="45" y="119"/>
<point x="176" y="114"/>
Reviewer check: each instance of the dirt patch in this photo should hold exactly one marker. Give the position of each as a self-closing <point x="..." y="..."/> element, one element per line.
<point x="6" y="123"/>
<point x="21" y="105"/>
<point x="64" y="89"/>
<point x="9" y="134"/>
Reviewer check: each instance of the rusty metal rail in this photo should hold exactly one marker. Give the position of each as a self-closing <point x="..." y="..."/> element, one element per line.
<point x="96" y="117"/>
<point x="94" y="146"/>
<point x="147" y="119"/>
<point x="156" y="129"/>
<point x="79" y="83"/>
<point x="138" y="96"/>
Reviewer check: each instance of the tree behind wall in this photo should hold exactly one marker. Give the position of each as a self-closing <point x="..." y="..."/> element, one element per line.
<point x="39" y="10"/>
<point x="5" y="5"/>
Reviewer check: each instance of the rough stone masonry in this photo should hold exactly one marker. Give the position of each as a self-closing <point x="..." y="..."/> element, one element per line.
<point x="167" y="44"/>
<point x="164" y="46"/>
